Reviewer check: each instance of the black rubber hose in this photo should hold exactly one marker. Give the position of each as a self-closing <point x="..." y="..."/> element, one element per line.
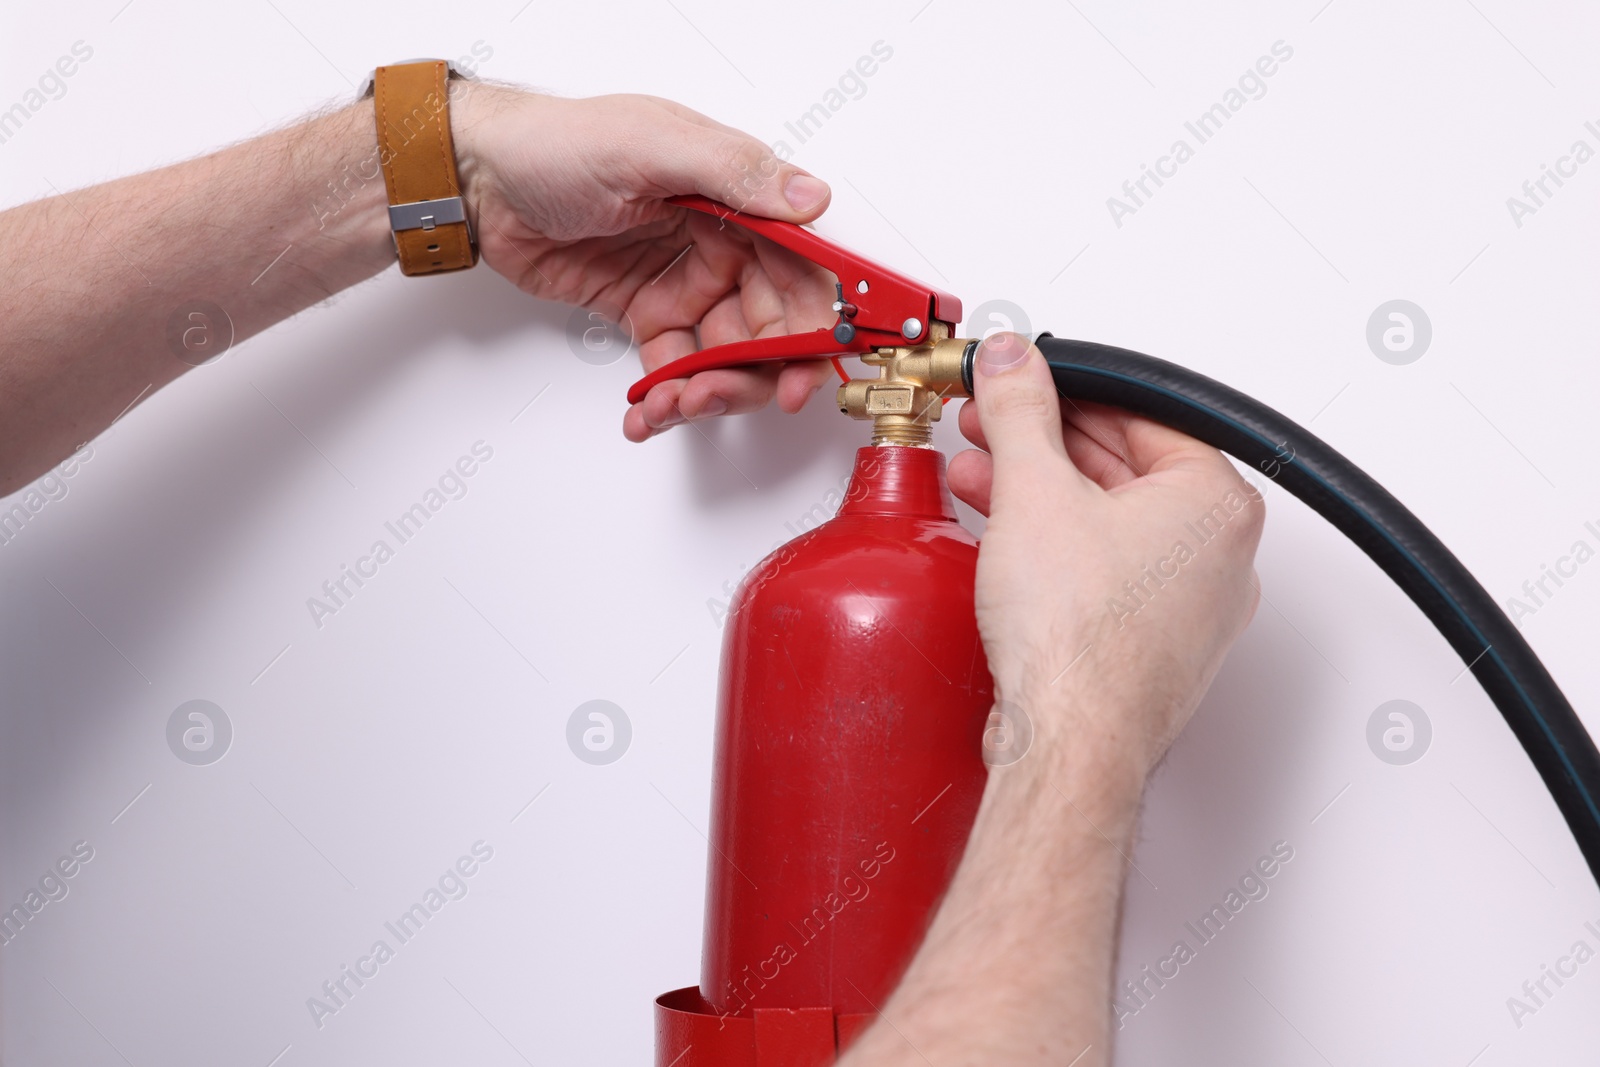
<point x="1534" y="707"/>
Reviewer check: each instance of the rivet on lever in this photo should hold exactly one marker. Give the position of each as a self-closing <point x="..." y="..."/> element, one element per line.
<point x="911" y="329"/>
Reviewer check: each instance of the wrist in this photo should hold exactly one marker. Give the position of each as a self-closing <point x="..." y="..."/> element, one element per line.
<point x="471" y="106"/>
<point x="1084" y="750"/>
<point x="344" y="228"/>
<point x="1087" y="727"/>
<point x="1092" y="796"/>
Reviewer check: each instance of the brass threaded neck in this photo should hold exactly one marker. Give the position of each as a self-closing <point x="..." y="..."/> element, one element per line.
<point x="905" y="433"/>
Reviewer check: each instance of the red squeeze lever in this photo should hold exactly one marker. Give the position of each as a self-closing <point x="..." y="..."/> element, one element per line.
<point x="878" y="307"/>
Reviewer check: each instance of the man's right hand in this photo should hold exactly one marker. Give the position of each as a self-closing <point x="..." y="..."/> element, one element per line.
<point x="1117" y="566"/>
<point x="1017" y="965"/>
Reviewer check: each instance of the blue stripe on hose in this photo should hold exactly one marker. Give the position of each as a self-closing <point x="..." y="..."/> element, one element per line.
<point x="1572" y="772"/>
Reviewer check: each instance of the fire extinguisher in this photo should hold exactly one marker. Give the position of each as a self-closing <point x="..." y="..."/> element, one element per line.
<point x="851" y="712"/>
<point x="855" y="700"/>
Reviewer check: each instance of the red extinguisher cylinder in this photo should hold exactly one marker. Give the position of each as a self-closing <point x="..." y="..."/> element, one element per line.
<point x="848" y="768"/>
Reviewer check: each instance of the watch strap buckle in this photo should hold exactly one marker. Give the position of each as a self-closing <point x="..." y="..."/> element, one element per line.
<point x="427" y="214"/>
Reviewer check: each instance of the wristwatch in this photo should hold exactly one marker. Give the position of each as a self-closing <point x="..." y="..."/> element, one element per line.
<point x="411" y="106"/>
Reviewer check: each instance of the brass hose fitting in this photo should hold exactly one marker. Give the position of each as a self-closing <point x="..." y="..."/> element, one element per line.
<point x="906" y="398"/>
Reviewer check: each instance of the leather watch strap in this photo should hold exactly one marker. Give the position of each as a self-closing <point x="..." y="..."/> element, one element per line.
<point x="427" y="211"/>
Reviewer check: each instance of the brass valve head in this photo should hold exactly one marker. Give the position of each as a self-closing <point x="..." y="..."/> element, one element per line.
<point x="906" y="398"/>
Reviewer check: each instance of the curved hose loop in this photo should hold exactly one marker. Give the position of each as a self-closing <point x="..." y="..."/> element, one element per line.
<point x="1533" y="706"/>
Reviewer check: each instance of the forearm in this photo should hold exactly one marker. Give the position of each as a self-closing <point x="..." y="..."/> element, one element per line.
<point x="95" y="310"/>
<point x="1017" y="967"/>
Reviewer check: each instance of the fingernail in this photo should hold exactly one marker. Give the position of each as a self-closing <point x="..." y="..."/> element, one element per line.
<point x="672" y="418"/>
<point x="1000" y="353"/>
<point x="805" y="192"/>
<point x="712" y="408"/>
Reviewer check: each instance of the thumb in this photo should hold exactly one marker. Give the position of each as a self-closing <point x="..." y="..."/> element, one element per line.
<point x="734" y="168"/>
<point x="1018" y="406"/>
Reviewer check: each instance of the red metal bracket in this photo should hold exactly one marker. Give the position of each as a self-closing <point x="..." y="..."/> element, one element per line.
<point x="876" y="305"/>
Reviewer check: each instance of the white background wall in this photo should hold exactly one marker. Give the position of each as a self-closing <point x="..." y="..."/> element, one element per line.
<point x="369" y="754"/>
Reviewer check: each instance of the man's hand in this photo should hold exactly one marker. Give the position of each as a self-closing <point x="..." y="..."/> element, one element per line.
<point x="1116" y="570"/>
<point x="570" y="205"/>
<point x="1114" y="575"/>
